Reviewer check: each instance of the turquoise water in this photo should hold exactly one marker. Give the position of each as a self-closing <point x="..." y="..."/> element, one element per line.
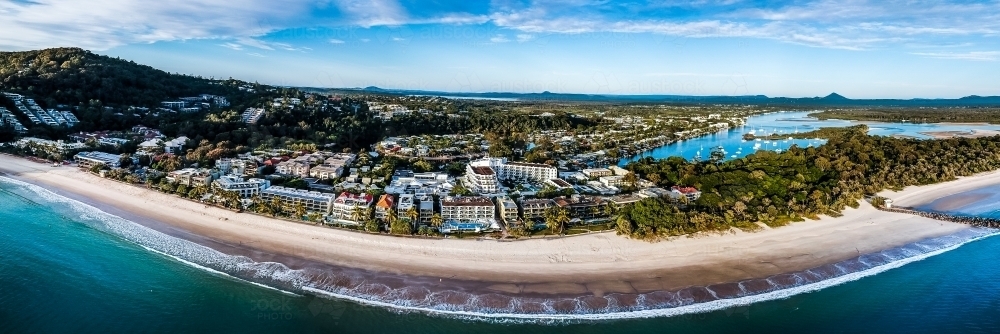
<point x="785" y="123"/>
<point x="63" y="271"/>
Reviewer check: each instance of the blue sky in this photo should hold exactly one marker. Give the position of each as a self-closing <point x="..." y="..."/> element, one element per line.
<point x="858" y="48"/>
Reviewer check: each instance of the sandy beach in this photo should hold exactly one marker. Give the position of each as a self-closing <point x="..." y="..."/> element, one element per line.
<point x="589" y="264"/>
<point x="918" y="195"/>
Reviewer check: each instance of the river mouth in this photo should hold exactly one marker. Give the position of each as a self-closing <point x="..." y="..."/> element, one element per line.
<point x="481" y="300"/>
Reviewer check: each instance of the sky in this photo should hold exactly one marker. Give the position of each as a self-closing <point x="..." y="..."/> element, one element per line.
<point x="793" y="48"/>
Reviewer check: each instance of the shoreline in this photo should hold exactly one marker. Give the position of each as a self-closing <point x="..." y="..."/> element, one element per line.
<point x="595" y="264"/>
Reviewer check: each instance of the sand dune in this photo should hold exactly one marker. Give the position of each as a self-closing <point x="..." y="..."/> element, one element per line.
<point x="595" y="263"/>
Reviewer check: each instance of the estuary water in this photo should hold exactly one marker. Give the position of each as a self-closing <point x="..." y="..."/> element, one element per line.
<point x="785" y="124"/>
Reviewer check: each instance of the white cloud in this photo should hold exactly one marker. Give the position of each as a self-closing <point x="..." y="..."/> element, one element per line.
<point x="233" y="46"/>
<point x="372" y="12"/>
<point x="851" y="24"/>
<point x="499" y="39"/>
<point x="336" y="41"/>
<point x="53" y="23"/>
<point x="839" y="24"/>
<point x="971" y="55"/>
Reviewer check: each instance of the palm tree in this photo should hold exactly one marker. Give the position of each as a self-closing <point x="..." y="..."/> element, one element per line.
<point x="413" y="214"/>
<point x="437" y="220"/>
<point x="357" y="214"/>
<point x="390" y="216"/>
<point x="556" y="218"/>
<point x="276" y="206"/>
<point x="300" y="210"/>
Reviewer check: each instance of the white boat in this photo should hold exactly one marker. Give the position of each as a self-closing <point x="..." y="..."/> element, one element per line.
<point x="778" y="150"/>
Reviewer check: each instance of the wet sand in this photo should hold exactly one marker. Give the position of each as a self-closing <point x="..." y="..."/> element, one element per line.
<point x="594" y="264"/>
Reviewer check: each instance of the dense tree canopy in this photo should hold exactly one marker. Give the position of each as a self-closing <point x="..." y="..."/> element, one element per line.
<point x="773" y="188"/>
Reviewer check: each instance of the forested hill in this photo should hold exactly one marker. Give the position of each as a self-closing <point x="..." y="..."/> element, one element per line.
<point x="72" y="76"/>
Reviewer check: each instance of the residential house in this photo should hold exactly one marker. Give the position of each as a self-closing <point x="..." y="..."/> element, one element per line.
<point x="691" y="193"/>
<point x="385" y="204"/>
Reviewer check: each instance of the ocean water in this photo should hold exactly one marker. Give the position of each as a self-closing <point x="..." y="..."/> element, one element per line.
<point x="66" y="267"/>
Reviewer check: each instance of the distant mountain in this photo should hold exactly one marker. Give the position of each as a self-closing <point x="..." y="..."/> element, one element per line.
<point x="833" y="99"/>
<point x="73" y="75"/>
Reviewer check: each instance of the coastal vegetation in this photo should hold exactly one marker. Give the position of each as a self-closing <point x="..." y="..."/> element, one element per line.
<point x="915" y="115"/>
<point x="774" y="189"/>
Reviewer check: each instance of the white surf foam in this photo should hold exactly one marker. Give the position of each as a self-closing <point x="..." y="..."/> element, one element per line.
<point x="183" y="251"/>
<point x="210" y="260"/>
<point x="653" y="313"/>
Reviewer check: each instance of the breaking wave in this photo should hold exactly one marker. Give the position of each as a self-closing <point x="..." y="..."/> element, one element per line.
<point x="433" y="298"/>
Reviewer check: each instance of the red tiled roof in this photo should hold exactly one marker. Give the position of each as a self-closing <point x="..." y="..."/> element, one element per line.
<point x="386" y="201"/>
<point x="685" y="190"/>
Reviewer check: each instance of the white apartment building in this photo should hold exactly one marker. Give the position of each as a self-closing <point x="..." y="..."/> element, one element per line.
<point x="523" y="171"/>
<point x="518" y="171"/>
<point x="612" y="181"/>
<point x="289" y="197"/>
<point x="325" y="172"/>
<point x="246" y="189"/>
<point x="191" y="177"/>
<point x="618" y="170"/>
<point x="345" y="204"/>
<point x="481" y="179"/>
<point x="421" y="183"/>
<point x="467" y="209"/>
<point x="293" y="167"/>
<point x="91" y="159"/>
<point x="175" y="146"/>
<point x="404" y="204"/>
<point x="597" y="172"/>
<point x="237" y="166"/>
<point x="252" y="115"/>
<point x="426" y="208"/>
